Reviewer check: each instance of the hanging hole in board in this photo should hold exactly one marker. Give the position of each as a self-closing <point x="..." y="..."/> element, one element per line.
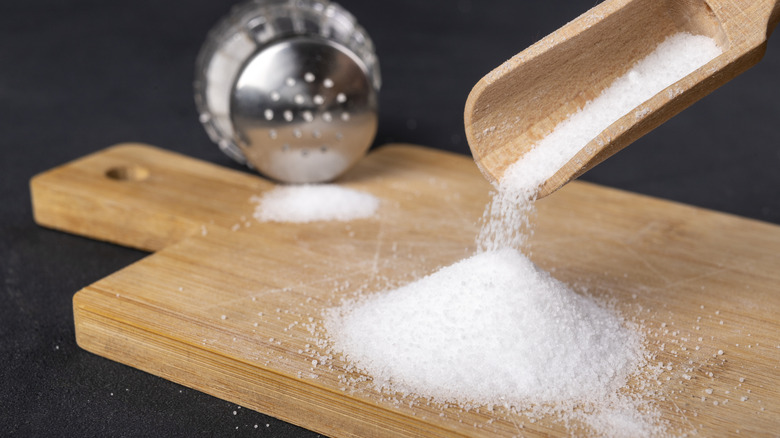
<point x="128" y="173"/>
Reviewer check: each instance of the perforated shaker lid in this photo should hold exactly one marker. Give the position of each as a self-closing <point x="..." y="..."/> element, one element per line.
<point x="290" y="88"/>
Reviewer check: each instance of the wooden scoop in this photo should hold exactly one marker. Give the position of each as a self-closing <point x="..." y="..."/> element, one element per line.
<point x="522" y="101"/>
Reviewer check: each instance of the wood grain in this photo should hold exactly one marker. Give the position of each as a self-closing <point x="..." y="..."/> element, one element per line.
<point x="233" y="307"/>
<point x="524" y="99"/>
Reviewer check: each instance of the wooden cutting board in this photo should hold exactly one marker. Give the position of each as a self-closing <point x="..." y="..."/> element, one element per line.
<point x="232" y="307"/>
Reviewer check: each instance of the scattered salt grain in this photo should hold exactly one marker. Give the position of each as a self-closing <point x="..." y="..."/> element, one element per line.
<point x="309" y="203"/>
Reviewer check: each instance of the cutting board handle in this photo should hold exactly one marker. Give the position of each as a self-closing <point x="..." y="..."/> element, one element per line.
<point x="141" y="196"/>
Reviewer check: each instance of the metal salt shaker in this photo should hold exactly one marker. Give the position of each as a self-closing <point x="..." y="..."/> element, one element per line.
<point x="289" y="88"/>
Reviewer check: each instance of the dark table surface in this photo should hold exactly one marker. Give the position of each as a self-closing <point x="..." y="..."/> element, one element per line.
<point x="77" y="76"/>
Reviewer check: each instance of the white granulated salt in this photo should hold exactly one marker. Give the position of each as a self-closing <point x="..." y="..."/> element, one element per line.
<point x="494" y="329"/>
<point x="675" y="58"/>
<point x="314" y="202"/>
<point x="491" y="329"/>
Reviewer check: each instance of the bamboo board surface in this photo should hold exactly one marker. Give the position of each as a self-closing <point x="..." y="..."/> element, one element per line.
<point x="231" y="306"/>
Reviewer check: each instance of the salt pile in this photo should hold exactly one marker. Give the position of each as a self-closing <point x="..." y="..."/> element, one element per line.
<point x="314" y="202"/>
<point x="491" y="329"/>
<point x="494" y="329"/>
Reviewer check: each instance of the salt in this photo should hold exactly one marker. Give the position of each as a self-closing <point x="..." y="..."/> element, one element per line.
<point x="309" y="203"/>
<point x="490" y="329"/>
<point x="494" y="329"/>
<point x="675" y="58"/>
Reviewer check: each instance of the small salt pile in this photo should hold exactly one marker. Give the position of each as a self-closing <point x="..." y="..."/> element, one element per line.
<point x="314" y="202"/>
<point x="494" y="329"/>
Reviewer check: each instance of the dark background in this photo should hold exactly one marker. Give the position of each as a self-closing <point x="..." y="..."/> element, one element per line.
<point x="77" y="76"/>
